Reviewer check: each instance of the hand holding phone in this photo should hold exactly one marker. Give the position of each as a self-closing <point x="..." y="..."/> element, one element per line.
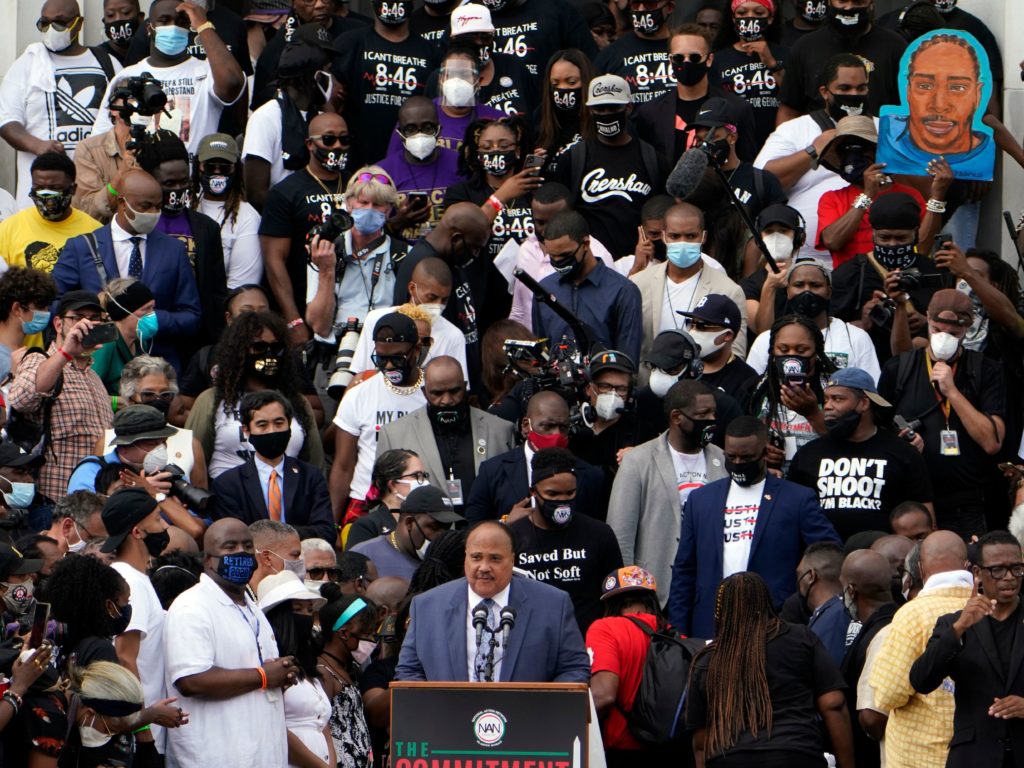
<point x="100" y="334"/>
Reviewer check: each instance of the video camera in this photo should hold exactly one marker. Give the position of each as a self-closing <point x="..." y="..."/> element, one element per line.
<point x="141" y="95"/>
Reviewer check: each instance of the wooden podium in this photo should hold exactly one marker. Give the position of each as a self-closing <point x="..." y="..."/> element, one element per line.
<point x="489" y="725"/>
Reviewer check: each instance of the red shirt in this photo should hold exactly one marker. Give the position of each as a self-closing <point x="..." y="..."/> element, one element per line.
<point x="618" y="645"/>
<point x="834" y="204"/>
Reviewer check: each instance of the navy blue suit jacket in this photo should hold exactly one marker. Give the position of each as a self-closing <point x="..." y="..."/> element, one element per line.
<point x="307" y="504"/>
<point x="790" y="518"/>
<point x="544" y="646"/>
<point x="166" y="272"/>
<point x="501" y="484"/>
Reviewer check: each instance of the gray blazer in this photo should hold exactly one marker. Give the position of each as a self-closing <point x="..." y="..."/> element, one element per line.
<point x="491" y="436"/>
<point x="644" y="508"/>
<point x="651" y="282"/>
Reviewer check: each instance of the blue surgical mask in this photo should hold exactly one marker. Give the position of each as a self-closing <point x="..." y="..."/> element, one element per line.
<point x="237" y="568"/>
<point x="367" y="220"/>
<point x="40" y="319"/>
<point x="20" y="496"/>
<point x="683" y="255"/>
<point x="170" y="39"/>
<point x="147" y="327"/>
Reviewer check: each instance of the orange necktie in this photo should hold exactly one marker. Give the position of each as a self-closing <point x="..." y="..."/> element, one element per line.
<point x="274" y="497"/>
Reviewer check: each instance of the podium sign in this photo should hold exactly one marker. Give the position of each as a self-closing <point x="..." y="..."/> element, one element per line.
<point x="489" y="725"/>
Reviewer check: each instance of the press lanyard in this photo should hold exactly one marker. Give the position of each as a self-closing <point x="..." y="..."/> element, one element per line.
<point x="255" y="630"/>
<point x="378" y="264"/>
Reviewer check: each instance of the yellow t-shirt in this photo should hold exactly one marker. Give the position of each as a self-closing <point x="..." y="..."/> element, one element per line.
<point x="29" y="240"/>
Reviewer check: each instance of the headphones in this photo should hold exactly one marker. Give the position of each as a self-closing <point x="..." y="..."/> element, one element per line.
<point x="799" y="234"/>
<point x="693" y="366"/>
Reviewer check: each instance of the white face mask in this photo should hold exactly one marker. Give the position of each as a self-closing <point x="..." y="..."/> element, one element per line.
<point x="142" y="223"/>
<point x="93" y="738"/>
<point x="706" y="340"/>
<point x="155" y="460"/>
<point x="608" y="406"/>
<point x="421" y="550"/>
<point x="661" y="382"/>
<point x="57" y="41"/>
<point x="420" y="145"/>
<point x="458" y="93"/>
<point x="943" y="345"/>
<point x="298" y="567"/>
<point x="413" y="485"/>
<point x="362" y="654"/>
<point x="780" y="246"/>
<point x="314" y="586"/>
<point x="79" y="545"/>
<point x="434" y="310"/>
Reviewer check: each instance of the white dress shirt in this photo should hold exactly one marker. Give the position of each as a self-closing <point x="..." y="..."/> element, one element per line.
<point x="501" y="600"/>
<point x="263" y="470"/>
<point x="123" y="247"/>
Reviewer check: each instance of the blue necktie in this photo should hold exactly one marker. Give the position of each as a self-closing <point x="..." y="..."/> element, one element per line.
<point x="135" y="261"/>
<point x="483" y="661"/>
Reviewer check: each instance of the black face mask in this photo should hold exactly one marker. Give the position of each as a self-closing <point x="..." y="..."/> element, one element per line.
<point x="156" y="542"/>
<point x="332" y="160"/>
<point x="610" y="125"/>
<point x="808" y="304"/>
<point x="264" y="366"/>
<point x="498" y="163"/>
<point x="813" y="11"/>
<point x="568" y="267"/>
<point x="849" y="23"/>
<point x="452" y="418"/>
<point x="701" y="432"/>
<point x="750" y="28"/>
<point x="303" y="626"/>
<point x="842" y="105"/>
<point x="51" y="207"/>
<point x="648" y="22"/>
<point x="119" y="623"/>
<point x="720" y="150"/>
<point x="896" y="256"/>
<point x="844" y="426"/>
<point x="792" y="369"/>
<point x="271" y="445"/>
<point x="690" y="72"/>
<point x="216" y="184"/>
<point x="121" y="32"/>
<point x="745" y="473"/>
<point x="556" y="513"/>
<point x="566" y="99"/>
<point x="176" y="200"/>
<point x="393" y="14"/>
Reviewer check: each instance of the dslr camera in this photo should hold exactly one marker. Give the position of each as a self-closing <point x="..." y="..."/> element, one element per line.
<point x="194" y="498"/>
<point x="141" y="95"/>
<point x="332" y="229"/>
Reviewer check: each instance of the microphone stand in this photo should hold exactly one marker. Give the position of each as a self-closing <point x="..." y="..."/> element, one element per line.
<point x="740" y="209"/>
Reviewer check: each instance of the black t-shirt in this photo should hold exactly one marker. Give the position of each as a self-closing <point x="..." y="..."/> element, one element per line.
<point x="958" y="18"/>
<point x="1004" y="632"/>
<point x="791" y="34"/>
<point x="512" y="89"/>
<point x="532" y="30"/>
<point x="614" y="186"/>
<point x="753" y="284"/>
<point x="880" y="48"/>
<point x="735" y="379"/>
<point x="799" y="670"/>
<point x="755" y="188"/>
<point x="642" y="63"/>
<point x="956" y="480"/>
<point x="433" y="29"/>
<point x="745" y="76"/>
<point x="686" y="113"/>
<point x="380" y="76"/>
<point x="576" y="559"/>
<point x="858" y="484"/>
<point x="294" y="206"/>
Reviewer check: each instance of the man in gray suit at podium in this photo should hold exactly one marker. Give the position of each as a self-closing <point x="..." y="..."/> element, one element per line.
<point x="491" y="626"/>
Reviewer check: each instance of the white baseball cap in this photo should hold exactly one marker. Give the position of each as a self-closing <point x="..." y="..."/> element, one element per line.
<point x="471" y="18"/>
<point x="608" y="90"/>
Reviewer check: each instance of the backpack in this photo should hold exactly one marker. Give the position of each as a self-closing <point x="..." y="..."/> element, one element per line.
<point x="578" y="161"/>
<point x="658" y="706"/>
<point x="32" y="434"/>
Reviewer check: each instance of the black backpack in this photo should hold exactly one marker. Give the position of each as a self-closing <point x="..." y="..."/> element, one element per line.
<point x="31" y="431"/>
<point x="657" y="713"/>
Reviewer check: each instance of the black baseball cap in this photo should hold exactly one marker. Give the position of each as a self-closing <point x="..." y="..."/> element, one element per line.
<point x="123" y="511"/>
<point x="715" y="113"/>
<point x="140" y="422"/>
<point x="12" y="455"/>
<point x="395" y="328"/>
<point x="13" y="563"/>
<point x="671" y="349"/>
<point x="428" y="500"/>
<point x="611" y="360"/>
<point x="716" y="309"/>
<point x="894" y="210"/>
<point x="779" y="213"/>
<point x="73" y="300"/>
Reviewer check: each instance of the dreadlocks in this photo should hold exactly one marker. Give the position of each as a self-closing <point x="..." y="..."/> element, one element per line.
<point x="161" y="147"/>
<point x="737" y="680"/>
<point x="469" y="163"/>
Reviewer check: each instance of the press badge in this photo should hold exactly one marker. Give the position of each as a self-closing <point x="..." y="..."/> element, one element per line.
<point x="453" y="490"/>
<point x="949" y="442"/>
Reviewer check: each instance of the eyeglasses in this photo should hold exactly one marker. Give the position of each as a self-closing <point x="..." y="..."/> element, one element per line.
<point x="419" y="477"/>
<point x="430" y="129"/>
<point x="318" y="574"/>
<point x="382" y="360"/>
<point x="380" y="178"/>
<point x="274" y="348"/>
<point x="329" y="140"/>
<point x="681" y="58"/>
<point x="999" y="571"/>
<point x="603" y="388"/>
<point x="44" y="24"/>
<point x="75" y="318"/>
<point x="148" y="396"/>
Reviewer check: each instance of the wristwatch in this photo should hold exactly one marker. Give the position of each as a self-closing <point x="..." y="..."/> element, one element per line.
<point x="160" y="498"/>
<point x="810" y="150"/>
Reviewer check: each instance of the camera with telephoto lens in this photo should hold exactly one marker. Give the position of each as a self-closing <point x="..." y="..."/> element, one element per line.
<point x="333" y="229"/>
<point x="348" y="338"/>
<point x="141" y="95"/>
<point x="192" y="497"/>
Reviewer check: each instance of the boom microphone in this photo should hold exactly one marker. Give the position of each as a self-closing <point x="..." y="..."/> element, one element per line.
<point x="688" y="173"/>
<point x="508" y="620"/>
<point x="479" y="621"/>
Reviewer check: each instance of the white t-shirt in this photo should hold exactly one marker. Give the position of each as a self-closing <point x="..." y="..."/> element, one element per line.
<point x="691" y="472"/>
<point x="678" y="297"/>
<point x="363" y="411"/>
<point x="194" y="106"/>
<point x="206" y="629"/>
<point x="846" y="345"/>
<point x="741" y="508"/>
<point x="231" y="450"/>
<point x="56" y="98"/>
<point x="240" y="238"/>
<point x="790" y="137"/>
<point x="148" y="621"/>
<point x="263" y="139"/>
<point x="448" y="340"/>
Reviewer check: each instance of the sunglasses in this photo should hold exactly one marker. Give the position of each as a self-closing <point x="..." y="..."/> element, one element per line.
<point x="273" y="348"/>
<point x="44" y="24"/>
<point x="329" y="140"/>
<point x="317" y="574"/>
<point x="148" y="396"/>
<point x="382" y="360"/>
<point x="380" y="178"/>
<point x="681" y="58"/>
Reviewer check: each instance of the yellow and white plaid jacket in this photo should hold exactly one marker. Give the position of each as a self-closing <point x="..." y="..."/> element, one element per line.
<point x="920" y="727"/>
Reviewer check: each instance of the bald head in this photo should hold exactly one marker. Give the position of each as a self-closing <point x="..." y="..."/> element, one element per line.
<point x="443" y="367"/>
<point x="894" y="549"/>
<point x="225" y="531"/>
<point x="180" y="541"/>
<point x="433" y="269"/>
<point x="415" y="111"/>
<point x="684" y="216"/>
<point x="387" y="591"/>
<point x="60" y="9"/>
<point x="869" y="573"/>
<point x="546" y="405"/>
<point x="328" y="122"/>
<point x="941" y="552"/>
<point x="469" y="220"/>
<point x="137" y="182"/>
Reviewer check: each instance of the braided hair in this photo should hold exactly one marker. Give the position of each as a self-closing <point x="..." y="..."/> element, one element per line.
<point x="161" y="147"/>
<point x="931" y="42"/>
<point x="767" y="395"/>
<point x="444" y="561"/>
<point x="737" y="681"/>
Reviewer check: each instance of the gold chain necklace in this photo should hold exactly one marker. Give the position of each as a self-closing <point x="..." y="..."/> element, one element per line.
<point x="403" y="390"/>
<point x="323" y="186"/>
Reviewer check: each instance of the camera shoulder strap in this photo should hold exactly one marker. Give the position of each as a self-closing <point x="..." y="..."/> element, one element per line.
<point x="90" y="241"/>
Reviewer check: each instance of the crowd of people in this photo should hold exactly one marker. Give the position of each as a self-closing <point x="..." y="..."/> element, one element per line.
<point x="514" y="341"/>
